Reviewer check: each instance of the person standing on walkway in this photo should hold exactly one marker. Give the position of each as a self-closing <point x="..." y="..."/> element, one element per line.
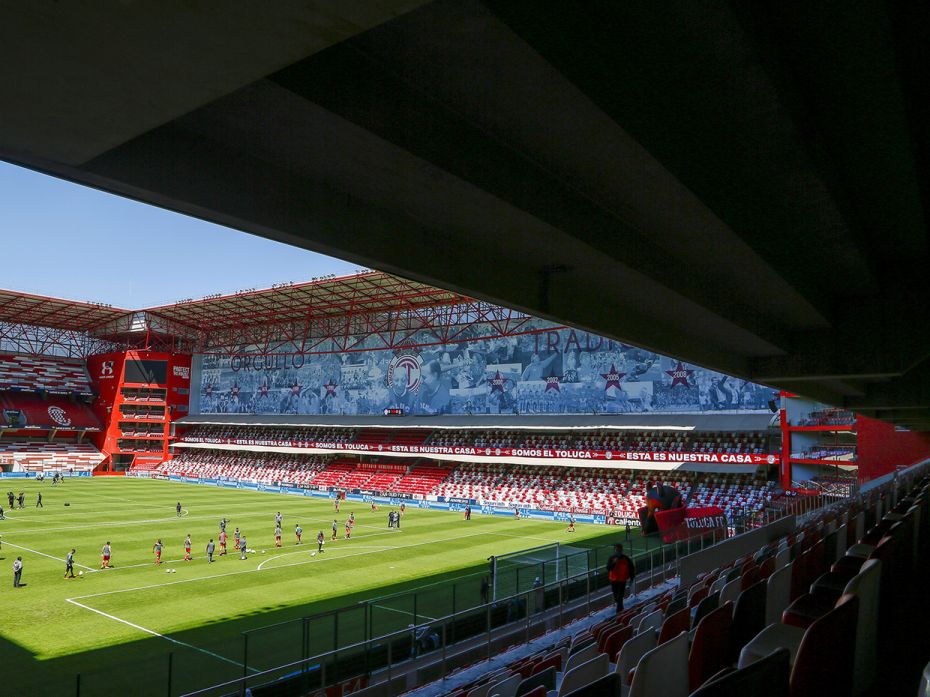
<point x="620" y="571"/>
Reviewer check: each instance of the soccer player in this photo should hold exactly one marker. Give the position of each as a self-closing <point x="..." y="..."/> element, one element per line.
<point x="278" y="519"/>
<point x="242" y="547"/>
<point x="348" y="529"/>
<point x="335" y="528"/>
<point x="223" y="525"/>
<point x="277" y="536"/>
<point x="69" y="565"/>
<point x="516" y="513"/>
<point x="22" y="499"/>
<point x="39" y="500"/>
<point x="403" y="508"/>
<point x="105" y="556"/>
<point x="210" y="549"/>
<point x="298" y="531"/>
<point x="178" y="509"/>
<point x="374" y="507"/>
<point x="319" y="542"/>
<point x="336" y="504"/>
<point x="352" y="518"/>
<point x="571" y="523"/>
<point x="236" y="536"/>
<point x="223" y="543"/>
<point x="157" y="549"/>
<point x="187" y="547"/>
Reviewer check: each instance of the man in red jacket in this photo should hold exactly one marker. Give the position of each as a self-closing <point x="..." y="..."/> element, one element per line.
<point x="620" y="570"/>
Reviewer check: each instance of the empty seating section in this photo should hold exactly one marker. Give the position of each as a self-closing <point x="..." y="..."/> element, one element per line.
<point x="554" y="488"/>
<point x="828" y="417"/>
<point x="622" y="441"/>
<point x="32" y="455"/>
<point x="600" y="490"/>
<point x="824" y="643"/>
<point x="422" y="479"/>
<point x="49" y="373"/>
<point x="263" y="468"/>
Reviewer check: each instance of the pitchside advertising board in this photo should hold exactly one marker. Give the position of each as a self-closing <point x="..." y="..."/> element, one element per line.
<point x="547" y="369"/>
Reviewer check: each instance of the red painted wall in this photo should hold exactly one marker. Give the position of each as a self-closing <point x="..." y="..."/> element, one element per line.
<point x="882" y="448"/>
<point x="107" y="375"/>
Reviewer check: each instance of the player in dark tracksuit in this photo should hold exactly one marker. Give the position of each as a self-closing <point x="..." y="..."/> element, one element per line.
<point x="69" y="565"/>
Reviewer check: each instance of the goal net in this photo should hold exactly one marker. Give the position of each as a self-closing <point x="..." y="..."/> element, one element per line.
<point x="518" y="572"/>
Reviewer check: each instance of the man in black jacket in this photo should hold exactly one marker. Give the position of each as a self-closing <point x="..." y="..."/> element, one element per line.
<point x="620" y="571"/>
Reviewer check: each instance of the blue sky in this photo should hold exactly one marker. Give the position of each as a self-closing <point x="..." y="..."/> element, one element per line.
<point x="69" y="241"/>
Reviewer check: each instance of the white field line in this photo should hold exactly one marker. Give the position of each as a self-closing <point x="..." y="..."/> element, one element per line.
<point x="406" y="612"/>
<point x="288" y="554"/>
<point x="49" y="556"/>
<point x="157" y="634"/>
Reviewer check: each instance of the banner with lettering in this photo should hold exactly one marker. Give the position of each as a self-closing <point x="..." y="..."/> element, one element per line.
<point x="545" y="453"/>
<point x="682" y="523"/>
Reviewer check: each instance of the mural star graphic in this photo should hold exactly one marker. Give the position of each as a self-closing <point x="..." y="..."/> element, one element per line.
<point x="330" y="388"/>
<point x="552" y="383"/>
<point x="295" y="389"/>
<point x="497" y="382"/>
<point x="613" y="377"/>
<point x="680" y="375"/>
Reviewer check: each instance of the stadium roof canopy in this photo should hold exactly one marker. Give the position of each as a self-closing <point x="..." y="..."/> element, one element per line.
<point x="741" y="185"/>
<point x="370" y="293"/>
<point x="43" y="311"/>
<point x="299" y="315"/>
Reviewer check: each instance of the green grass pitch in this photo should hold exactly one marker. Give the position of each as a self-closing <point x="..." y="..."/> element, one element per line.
<point x="117" y="627"/>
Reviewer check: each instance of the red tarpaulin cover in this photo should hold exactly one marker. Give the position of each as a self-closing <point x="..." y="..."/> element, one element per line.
<point x="53" y="412"/>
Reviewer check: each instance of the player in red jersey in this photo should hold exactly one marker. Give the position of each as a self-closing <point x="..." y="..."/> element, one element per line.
<point x="157" y="549"/>
<point x="222" y="543"/>
<point x="336" y="504"/>
<point x="277" y="536"/>
<point x="105" y="557"/>
<point x="187" y="548"/>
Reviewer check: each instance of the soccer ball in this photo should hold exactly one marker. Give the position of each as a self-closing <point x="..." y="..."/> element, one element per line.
<point x="80" y="573"/>
<point x="312" y="554"/>
<point x="263" y="551"/>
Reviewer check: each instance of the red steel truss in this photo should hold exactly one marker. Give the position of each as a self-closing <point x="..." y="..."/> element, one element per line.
<point x="324" y="315"/>
<point x="332" y="315"/>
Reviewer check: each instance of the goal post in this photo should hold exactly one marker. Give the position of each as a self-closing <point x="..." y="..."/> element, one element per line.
<point x="517" y="572"/>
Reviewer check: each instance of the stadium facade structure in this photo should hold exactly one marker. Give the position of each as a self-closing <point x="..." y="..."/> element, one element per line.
<point x="375" y="354"/>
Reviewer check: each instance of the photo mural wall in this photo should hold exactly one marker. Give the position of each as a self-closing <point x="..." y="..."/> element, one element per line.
<point x="547" y="369"/>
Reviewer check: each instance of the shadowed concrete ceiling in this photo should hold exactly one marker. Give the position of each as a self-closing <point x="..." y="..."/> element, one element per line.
<point x="743" y="185"/>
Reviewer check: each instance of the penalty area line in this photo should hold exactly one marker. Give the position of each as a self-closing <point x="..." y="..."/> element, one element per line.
<point x="49" y="556"/>
<point x="158" y="634"/>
